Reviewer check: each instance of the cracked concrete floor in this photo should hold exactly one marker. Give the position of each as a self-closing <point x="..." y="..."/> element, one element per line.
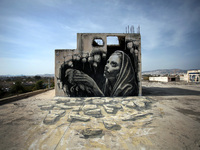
<point x="171" y="121"/>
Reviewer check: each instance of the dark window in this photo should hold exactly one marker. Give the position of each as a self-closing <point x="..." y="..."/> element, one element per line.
<point x="173" y="79"/>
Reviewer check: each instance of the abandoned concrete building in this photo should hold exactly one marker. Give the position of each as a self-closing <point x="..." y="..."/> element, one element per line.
<point x="184" y="77"/>
<point x="104" y="64"/>
<point x="165" y="79"/>
<point x="193" y="75"/>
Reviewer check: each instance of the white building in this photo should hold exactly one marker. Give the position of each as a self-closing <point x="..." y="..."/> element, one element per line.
<point x="193" y="75"/>
<point x="184" y="77"/>
<point x="164" y="79"/>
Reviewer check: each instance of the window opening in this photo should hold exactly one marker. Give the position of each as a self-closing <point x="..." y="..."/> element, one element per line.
<point x="97" y="42"/>
<point x="173" y="79"/>
<point x="112" y="40"/>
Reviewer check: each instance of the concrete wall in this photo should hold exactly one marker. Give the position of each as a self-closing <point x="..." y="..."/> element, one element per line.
<point x="21" y="96"/>
<point x="160" y="79"/>
<point x="184" y="77"/>
<point x="89" y="60"/>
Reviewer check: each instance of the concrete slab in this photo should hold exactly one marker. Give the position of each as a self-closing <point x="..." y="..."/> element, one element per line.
<point x="169" y="121"/>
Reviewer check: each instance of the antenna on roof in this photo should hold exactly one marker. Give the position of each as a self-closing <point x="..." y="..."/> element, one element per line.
<point x="131" y="29"/>
<point x="128" y="28"/>
<point x="138" y="29"/>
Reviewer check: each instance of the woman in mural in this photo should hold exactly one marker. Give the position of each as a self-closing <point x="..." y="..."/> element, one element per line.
<point x="119" y="74"/>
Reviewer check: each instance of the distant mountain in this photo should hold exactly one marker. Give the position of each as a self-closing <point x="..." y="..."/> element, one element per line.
<point x="8" y="75"/>
<point x="46" y="75"/>
<point x="165" y="71"/>
<point x="42" y="75"/>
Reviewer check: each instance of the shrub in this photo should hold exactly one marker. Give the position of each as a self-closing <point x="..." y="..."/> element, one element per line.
<point x="17" y="88"/>
<point x="39" y="85"/>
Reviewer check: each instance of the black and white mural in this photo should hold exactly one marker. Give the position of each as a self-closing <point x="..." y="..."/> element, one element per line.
<point x="112" y="72"/>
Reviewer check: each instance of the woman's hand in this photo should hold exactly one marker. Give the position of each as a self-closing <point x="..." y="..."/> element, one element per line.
<point x="83" y="79"/>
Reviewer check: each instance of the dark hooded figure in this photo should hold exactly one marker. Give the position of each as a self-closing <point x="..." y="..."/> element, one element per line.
<point x="119" y="74"/>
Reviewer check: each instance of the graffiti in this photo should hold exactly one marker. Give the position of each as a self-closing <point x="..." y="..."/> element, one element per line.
<point x="109" y="71"/>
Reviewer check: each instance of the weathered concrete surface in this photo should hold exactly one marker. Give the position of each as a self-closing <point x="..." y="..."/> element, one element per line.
<point x="169" y="120"/>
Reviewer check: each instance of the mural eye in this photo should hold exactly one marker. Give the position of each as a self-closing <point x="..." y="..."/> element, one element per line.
<point x="114" y="64"/>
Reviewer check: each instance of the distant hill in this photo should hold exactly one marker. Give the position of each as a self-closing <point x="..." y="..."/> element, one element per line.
<point x="46" y="75"/>
<point x="165" y="71"/>
<point x="42" y="75"/>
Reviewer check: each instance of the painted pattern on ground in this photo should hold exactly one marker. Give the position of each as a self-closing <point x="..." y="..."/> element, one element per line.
<point x="88" y="123"/>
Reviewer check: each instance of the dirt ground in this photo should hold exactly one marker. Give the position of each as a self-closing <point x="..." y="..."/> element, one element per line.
<point x="171" y="120"/>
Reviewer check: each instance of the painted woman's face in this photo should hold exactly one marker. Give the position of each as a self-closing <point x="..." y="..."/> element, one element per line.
<point x="112" y="67"/>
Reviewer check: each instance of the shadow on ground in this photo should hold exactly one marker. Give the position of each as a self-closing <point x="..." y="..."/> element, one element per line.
<point x="158" y="91"/>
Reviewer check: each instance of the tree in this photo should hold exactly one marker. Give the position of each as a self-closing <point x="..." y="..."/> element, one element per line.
<point x="52" y="84"/>
<point x="2" y="92"/>
<point x="17" y="88"/>
<point x="37" y="77"/>
<point x="39" y="85"/>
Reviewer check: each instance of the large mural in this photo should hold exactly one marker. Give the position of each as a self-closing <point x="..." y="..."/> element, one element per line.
<point x="98" y="69"/>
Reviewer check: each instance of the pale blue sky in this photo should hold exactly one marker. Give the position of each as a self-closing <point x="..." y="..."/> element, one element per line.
<point x="30" y="31"/>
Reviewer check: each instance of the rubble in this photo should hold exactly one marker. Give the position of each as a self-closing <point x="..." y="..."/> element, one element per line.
<point x="98" y="101"/>
<point x="139" y="103"/>
<point x="63" y="106"/>
<point x="76" y="108"/>
<point x="47" y="107"/>
<point x="108" y="100"/>
<point x="117" y="106"/>
<point x="94" y="112"/>
<point x="57" y="112"/>
<point x="131" y="105"/>
<point x="110" y="124"/>
<point x="108" y="109"/>
<point x="91" y="132"/>
<point x="53" y="116"/>
<point x="125" y="102"/>
<point x="89" y="107"/>
<point x="87" y="100"/>
<point x="77" y="117"/>
<point x="74" y="103"/>
<point x="62" y="99"/>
